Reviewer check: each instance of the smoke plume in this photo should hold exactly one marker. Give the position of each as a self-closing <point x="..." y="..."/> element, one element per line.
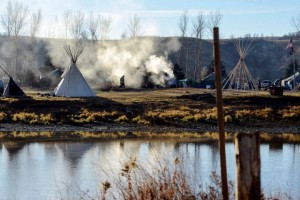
<point x="103" y="63"/>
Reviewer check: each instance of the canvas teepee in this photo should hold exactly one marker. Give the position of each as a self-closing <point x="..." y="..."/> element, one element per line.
<point x="12" y="89"/>
<point x="240" y="77"/>
<point x="73" y="83"/>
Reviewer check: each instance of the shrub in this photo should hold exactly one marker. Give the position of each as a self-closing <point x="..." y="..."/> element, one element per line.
<point x="140" y="120"/>
<point x="32" y="118"/>
<point x="3" y="116"/>
<point x="122" y="118"/>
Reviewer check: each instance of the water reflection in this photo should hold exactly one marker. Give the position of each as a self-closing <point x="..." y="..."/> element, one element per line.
<point x="13" y="148"/>
<point x="67" y="170"/>
<point x="277" y="146"/>
<point x="73" y="151"/>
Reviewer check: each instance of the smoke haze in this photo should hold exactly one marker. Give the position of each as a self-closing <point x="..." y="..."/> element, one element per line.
<point x="103" y="63"/>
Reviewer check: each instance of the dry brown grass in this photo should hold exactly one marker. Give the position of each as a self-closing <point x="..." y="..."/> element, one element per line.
<point x="123" y="119"/>
<point x="32" y="118"/>
<point x="284" y="137"/>
<point x="150" y="107"/>
<point x="141" y="120"/>
<point x="290" y="112"/>
<point x="3" y="116"/>
<point x="167" y="181"/>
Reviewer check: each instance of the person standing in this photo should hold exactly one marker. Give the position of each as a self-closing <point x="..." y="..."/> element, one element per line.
<point x="259" y="85"/>
<point x="122" y="82"/>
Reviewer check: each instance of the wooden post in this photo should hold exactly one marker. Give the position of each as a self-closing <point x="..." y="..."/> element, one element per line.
<point x="247" y="173"/>
<point x="220" y="113"/>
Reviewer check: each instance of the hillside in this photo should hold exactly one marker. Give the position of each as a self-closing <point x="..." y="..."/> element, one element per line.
<point x="105" y="61"/>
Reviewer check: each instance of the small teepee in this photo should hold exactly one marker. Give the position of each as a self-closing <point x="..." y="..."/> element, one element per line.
<point x="240" y="77"/>
<point x="73" y="83"/>
<point x="12" y="89"/>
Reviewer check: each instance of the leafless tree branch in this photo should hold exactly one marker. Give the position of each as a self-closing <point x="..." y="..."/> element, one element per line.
<point x="214" y="20"/>
<point x="78" y="26"/>
<point x="94" y="22"/>
<point x="36" y="20"/>
<point x="134" y="26"/>
<point x="105" y="26"/>
<point x="66" y="22"/>
<point x="183" y="23"/>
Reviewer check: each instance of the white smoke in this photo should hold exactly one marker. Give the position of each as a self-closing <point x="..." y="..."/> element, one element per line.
<point x="135" y="59"/>
<point x="105" y="63"/>
<point x="160" y="68"/>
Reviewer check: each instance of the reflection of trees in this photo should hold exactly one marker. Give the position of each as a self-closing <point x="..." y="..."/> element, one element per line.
<point x="214" y="146"/>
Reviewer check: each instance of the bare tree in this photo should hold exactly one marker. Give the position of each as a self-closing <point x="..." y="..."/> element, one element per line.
<point x="35" y="24"/>
<point x="134" y="26"/>
<point x="13" y="18"/>
<point x="93" y="24"/>
<point x="214" y="20"/>
<point x="183" y="23"/>
<point x="67" y="22"/>
<point x="296" y="22"/>
<point x="105" y="26"/>
<point x="185" y="43"/>
<point x="198" y="32"/>
<point x="199" y="26"/>
<point x="19" y="16"/>
<point x="51" y="31"/>
<point x="7" y="18"/>
<point x="78" y="26"/>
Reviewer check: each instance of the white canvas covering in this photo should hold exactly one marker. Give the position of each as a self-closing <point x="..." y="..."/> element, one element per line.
<point x="73" y="84"/>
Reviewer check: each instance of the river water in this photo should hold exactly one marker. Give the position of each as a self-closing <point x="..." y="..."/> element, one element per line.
<point x="70" y="170"/>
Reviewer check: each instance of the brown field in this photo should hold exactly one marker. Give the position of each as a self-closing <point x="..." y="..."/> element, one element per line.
<point x="158" y="110"/>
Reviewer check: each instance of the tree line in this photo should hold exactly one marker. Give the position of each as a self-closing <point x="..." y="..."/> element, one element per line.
<point x="17" y="20"/>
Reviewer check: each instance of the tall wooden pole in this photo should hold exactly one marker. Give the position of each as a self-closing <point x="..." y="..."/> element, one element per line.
<point x="220" y="113"/>
<point x="247" y="159"/>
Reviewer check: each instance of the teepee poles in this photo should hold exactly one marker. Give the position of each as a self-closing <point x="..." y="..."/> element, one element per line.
<point x="4" y="71"/>
<point x="74" y="53"/>
<point x="240" y="77"/>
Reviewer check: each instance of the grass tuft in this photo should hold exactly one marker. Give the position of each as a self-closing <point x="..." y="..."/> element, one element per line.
<point x="140" y="120"/>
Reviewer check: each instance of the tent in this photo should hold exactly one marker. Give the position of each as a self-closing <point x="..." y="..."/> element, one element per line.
<point x="12" y="89"/>
<point x="73" y="84"/>
<point x="209" y="81"/>
<point x="288" y="82"/>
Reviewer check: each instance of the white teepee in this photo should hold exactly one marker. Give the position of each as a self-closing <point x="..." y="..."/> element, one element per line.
<point x="240" y="77"/>
<point x="73" y="83"/>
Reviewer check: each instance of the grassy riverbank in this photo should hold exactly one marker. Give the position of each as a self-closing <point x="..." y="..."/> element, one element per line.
<point x="103" y="136"/>
<point x="178" y="108"/>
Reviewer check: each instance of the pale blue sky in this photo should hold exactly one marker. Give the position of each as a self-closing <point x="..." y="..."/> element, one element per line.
<point x="160" y="17"/>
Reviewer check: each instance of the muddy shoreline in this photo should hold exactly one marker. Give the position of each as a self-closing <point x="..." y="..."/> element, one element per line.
<point x="275" y="128"/>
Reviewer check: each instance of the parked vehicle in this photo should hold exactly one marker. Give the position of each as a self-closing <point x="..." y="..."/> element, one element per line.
<point x="265" y="84"/>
